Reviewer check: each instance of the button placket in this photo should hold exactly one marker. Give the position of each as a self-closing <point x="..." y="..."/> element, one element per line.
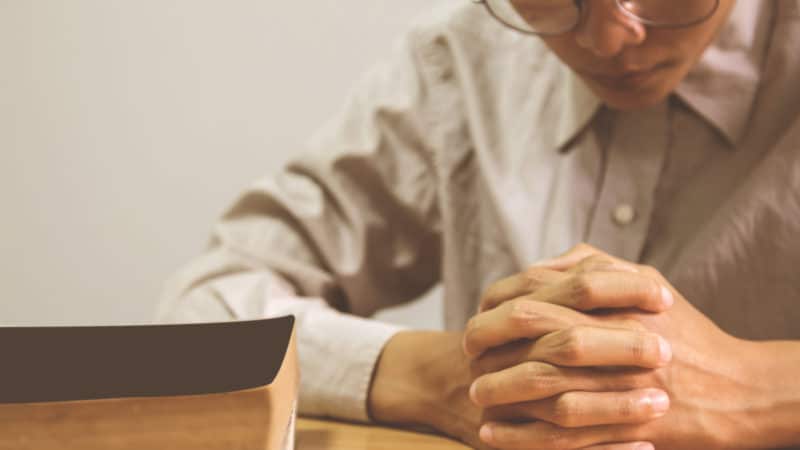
<point x="634" y="159"/>
<point x="624" y="214"/>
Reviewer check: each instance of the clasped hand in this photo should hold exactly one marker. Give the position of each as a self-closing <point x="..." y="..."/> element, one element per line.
<point x="591" y="352"/>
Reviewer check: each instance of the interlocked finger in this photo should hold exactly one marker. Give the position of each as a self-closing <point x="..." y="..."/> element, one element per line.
<point x="531" y="381"/>
<point x="585" y="409"/>
<point x="547" y="436"/>
<point x="604" y="290"/>
<point x="583" y="346"/>
<point x="518" y="285"/>
<point x="518" y="319"/>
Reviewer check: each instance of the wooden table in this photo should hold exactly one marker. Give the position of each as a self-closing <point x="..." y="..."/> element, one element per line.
<point x="327" y="435"/>
<point x="235" y="420"/>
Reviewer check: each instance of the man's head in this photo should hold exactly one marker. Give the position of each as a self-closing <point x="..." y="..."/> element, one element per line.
<point x="626" y="63"/>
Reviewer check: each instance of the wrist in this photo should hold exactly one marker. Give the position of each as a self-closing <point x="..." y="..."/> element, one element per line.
<point x="772" y="399"/>
<point x="392" y="392"/>
<point x="405" y="384"/>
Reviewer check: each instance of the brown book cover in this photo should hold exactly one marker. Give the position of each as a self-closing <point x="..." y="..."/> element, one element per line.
<point x="199" y="386"/>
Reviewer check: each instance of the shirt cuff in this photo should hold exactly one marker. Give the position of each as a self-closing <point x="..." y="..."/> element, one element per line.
<point x="338" y="353"/>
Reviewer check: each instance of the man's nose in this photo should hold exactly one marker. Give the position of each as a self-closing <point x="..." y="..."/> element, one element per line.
<point x="606" y="30"/>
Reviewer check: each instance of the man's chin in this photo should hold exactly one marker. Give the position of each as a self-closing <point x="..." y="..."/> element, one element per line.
<point x="631" y="100"/>
<point x="635" y="104"/>
<point x="631" y="96"/>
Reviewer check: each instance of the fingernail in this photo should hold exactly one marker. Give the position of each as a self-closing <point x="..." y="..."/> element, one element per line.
<point x="486" y="433"/>
<point x="664" y="351"/>
<point x="660" y="402"/>
<point x="644" y="446"/>
<point x="667" y="297"/>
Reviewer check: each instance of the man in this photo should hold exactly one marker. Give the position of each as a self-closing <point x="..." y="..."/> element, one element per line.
<point x="664" y="132"/>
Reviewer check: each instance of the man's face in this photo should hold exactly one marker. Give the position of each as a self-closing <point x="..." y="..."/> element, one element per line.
<point x="628" y="65"/>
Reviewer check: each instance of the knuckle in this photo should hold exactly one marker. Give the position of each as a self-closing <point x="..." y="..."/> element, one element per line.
<point x="597" y="262"/>
<point x="566" y="412"/>
<point x="532" y="372"/>
<point x="537" y="378"/>
<point x="583" y="291"/>
<point x="571" y="345"/>
<point x="534" y="276"/>
<point x="638" y="346"/>
<point x="627" y="407"/>
<point x="521" y="313"/>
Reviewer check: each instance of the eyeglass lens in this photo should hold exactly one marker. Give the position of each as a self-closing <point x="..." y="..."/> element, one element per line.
<point x="558" y="16"/>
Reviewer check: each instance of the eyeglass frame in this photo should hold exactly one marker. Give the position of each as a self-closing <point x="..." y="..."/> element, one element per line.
<point x="579" y="3"/>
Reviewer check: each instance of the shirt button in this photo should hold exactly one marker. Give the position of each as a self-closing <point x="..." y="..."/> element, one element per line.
<point x="623" y="214"/>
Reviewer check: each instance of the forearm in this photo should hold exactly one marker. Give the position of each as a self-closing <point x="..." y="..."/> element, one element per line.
<point x="394" y="393"/>
<point x="774" y="416"/>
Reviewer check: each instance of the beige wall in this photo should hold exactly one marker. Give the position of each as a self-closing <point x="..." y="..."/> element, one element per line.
<point x="127" y="126"/>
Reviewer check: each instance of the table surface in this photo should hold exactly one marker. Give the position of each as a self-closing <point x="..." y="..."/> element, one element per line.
<point x="328" y="435"/>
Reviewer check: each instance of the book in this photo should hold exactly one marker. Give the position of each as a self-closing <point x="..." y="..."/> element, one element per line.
<point x="185" y="386"/>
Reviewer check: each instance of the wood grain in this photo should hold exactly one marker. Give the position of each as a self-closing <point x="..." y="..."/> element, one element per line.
<point x="328" y="435"/>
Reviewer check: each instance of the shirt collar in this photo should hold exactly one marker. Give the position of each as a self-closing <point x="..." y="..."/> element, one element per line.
<point x="579" y="106"/>
<point x="723" y="84"/>
<point x="731" y="64"/>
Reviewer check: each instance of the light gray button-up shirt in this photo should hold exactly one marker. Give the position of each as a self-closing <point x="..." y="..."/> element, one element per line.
<point x="474" y="152"/>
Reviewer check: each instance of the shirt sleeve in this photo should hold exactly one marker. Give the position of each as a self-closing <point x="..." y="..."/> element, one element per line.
<point x="347" y="229"/>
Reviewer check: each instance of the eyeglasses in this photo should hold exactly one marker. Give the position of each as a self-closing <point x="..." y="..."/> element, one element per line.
<point x="553" y="17"/>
